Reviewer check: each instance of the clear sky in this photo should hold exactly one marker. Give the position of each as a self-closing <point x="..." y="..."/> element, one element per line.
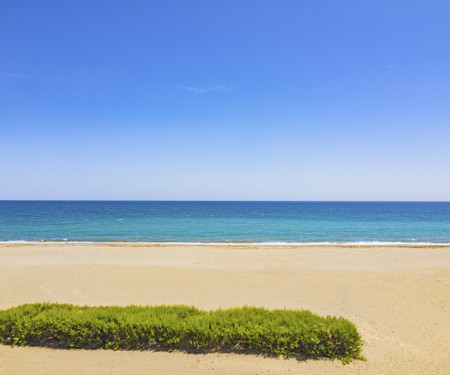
<point x="225" y="100"/>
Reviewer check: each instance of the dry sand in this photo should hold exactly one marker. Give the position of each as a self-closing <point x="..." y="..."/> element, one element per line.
<point x="399" y="298"/>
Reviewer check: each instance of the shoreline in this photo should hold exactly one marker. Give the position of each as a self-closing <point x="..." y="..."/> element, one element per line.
<point x="396" y="296"/>
<point x="293" y="245"/>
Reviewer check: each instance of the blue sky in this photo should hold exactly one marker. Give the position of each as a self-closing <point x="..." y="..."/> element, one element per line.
<point x="226" y="100"/>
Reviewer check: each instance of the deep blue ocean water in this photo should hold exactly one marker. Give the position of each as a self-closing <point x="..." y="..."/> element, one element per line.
<point x="225" y="222"/>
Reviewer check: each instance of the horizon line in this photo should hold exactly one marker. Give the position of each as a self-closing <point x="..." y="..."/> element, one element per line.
<point x="221" y="200"/>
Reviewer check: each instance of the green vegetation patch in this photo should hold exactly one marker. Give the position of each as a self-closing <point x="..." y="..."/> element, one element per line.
<point x="291" y="333"/>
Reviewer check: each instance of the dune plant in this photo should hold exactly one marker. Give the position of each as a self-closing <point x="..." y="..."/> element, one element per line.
<point x="290" y="333"/>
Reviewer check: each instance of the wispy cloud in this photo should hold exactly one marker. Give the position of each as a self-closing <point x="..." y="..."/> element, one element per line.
<point x="19" y="76"/>
<point x="197" y="90"/>
<point x="392" y="66"/>
<point x="203" y="89"/>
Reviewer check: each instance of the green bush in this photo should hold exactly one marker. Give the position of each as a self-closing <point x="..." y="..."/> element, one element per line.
<point x="291" y="333"/>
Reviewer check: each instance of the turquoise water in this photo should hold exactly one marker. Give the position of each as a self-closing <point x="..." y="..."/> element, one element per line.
<point x="225" y="222"/>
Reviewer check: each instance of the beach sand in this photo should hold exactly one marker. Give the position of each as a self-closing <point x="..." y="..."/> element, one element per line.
<point x="398" y="297"/>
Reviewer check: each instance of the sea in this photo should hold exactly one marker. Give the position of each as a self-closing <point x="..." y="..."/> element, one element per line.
<point x="214" y="222"/>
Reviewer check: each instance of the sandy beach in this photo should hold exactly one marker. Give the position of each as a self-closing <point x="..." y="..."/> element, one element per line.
<point x="398" y="297"/>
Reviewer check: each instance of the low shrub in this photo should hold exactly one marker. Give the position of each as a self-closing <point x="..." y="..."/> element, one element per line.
<point x="290" y="333"/>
